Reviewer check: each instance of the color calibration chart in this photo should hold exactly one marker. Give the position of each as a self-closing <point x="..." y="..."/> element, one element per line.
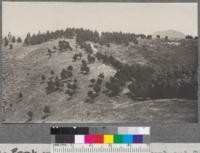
<point x="100" y="140"/>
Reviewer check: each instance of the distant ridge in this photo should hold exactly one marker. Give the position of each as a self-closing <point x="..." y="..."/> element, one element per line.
<point x="172" y="34"/>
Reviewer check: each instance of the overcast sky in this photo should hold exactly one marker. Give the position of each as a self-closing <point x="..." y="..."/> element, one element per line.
<point x="22" y="17"/>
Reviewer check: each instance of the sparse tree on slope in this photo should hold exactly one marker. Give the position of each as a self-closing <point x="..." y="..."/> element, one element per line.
<point x="27" y="39"/>
<point x="13" y="39"/>
<point x="19" y="40"/>
<point x="6" y="41"/>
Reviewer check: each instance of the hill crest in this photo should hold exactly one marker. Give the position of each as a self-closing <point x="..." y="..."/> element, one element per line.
<point x="172" y="34"/>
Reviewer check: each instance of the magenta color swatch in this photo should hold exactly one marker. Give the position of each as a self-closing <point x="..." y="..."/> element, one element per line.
<point x="89" y="138"/>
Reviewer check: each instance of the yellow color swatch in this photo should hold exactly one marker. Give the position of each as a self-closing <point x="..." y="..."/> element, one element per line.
<point x="108" y="139"/>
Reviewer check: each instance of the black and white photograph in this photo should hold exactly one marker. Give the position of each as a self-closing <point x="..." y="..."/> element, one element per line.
<point x="99" y="62"/>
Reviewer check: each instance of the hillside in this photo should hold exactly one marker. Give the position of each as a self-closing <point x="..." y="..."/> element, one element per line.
<point x="172" y="34"/>
<point x="25" y="96"/>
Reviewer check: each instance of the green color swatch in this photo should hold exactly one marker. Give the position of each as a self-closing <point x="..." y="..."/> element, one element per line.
<point x="118" y="139"/>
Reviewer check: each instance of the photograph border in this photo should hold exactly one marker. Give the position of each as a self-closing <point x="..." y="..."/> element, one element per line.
<point x="160" y="132"/>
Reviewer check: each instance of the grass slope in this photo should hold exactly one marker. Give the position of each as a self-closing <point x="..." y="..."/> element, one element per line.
<point x="23" y="67"/>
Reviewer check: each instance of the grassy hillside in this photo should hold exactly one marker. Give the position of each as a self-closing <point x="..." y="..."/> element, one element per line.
<point x="27" y="70"/>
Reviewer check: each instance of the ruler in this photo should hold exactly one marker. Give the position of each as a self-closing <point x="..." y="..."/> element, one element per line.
<point x="155" y="148"/>
<point x="100" y="148"/>
<point x="100" y="139"/>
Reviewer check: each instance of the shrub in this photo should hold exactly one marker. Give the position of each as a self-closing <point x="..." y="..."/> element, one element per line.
<point x="64" y="45"/>
<point x="10" y="46"/>
<point x="92" y="94"/>
<point x="138" y="89"/>
<point x="80" y="55"/>
<point x="84" y="62"/>
<point x="108" y="45"/>
<point x="70" y="68"/>
<point x="91" y="59"/>
<point x="87" y="48"/>
<point x="74" y="86"/>
<point x="30" y="114"/>
<point x="87" y="69"/>
<point x="75" y="56"/>
<point x="69" y="74"/>
<point x="99" y="81"/>
<point x="97" y="88"/>
<point x="71" y="92"/>
<point x="91" y="85"/>
<point x="114" y="88"/>
<point x="63" y="74"/>
<point x="84" y="68"/>
<point x="52" y="72"/>
<point x="49" y="50"/>
<point x="43" y="77"/>
<point x="101" y="75"/>
<point x="57" y="83"/>
<point x="46" y="109"/>
<point x="50" y="87"/>
<point x="92" y="81"/>
<point x="20" y="95"/>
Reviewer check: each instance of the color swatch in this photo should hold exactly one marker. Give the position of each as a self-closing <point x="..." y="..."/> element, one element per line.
<point x="99" y="139"/>
<point x="108" y="139"/>
<point x="118" y="139"/>
<point x="100" y="130"/>
<point x="101" y="135"/>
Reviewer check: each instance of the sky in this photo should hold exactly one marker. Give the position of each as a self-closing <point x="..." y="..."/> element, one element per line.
<point x="19" y="18"/>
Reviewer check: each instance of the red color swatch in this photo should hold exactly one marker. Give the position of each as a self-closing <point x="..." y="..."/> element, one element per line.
<point x="94" y="138"/>
<point x="98" y="139"/>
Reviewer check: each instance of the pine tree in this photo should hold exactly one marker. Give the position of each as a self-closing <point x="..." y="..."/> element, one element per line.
<point x="19" y="40"/>
<point x="27" y="39"/>
<point x="6" y="41"/>
<point x="149" y="37"/>
<point x="13" y="39"/>
<point x="158" y="36"/>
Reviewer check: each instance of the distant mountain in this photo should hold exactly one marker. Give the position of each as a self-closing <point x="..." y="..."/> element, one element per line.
<point x="172" y="34"/>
